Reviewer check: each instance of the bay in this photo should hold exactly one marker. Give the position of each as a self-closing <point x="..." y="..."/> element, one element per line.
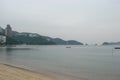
<point x="89" y="62"/>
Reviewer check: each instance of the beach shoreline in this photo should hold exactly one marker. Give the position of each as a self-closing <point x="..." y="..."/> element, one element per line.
<point x="9" y="72"/>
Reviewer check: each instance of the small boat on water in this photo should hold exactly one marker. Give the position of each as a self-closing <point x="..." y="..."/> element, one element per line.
<point x="68" y="47"/>
<point x="117" y="48"/>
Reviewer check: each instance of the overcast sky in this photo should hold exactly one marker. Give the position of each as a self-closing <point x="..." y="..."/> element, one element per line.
<point x="88" y="21"/>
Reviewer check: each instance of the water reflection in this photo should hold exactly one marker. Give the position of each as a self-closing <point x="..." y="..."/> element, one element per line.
<point x="9" y="50"/>
<point x="10" y="53"/>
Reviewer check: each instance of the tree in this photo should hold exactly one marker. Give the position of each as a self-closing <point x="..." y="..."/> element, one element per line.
<point x="10" y="41"/>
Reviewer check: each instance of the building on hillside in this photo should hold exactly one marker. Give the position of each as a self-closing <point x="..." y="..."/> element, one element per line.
<point x="8" y="31"/>
<point x="34" y="35"/>
<point x="1" y="31"/>
<point x="28" y="34"/>
<point x="2" y="39"/>
<point x="22" y="34"/>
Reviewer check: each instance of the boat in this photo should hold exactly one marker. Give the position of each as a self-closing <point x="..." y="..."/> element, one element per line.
<point x="68" y="47"/>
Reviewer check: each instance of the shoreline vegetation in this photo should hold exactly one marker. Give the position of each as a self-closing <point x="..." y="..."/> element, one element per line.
<point x="9" y="72"/>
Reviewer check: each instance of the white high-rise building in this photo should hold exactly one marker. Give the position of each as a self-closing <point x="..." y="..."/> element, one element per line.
<point x="2" y="39"/>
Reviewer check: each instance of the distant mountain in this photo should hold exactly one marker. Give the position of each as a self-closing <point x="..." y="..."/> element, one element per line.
<point x="31" y="39"/>
<point x="15" y="33"/>
<point x="38" y="40"/>
<point x="111" y="43"/>
<point x="73" y="42"/>
<point x="59" y="41"/>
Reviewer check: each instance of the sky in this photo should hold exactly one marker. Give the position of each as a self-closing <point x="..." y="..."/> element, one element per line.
<point x="87" y="21"/>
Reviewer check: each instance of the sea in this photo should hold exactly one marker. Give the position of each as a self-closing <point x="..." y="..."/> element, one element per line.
<point x="87" y="62"/>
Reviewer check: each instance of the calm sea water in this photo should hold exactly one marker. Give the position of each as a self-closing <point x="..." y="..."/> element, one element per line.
<point x="90" y="62"/>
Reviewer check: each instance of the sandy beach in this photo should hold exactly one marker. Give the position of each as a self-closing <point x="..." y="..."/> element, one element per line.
<point x="8" y="72"/>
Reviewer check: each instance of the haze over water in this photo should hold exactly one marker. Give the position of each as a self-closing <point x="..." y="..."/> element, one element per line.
<point x="89" y="62"/>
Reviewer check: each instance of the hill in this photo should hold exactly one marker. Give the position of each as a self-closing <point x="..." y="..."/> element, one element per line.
<point x="36" y="39"/>
<point x="111" y="43"/>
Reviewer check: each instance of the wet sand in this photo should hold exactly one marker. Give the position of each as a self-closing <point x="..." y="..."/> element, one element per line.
<point x="8" y="72"/>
